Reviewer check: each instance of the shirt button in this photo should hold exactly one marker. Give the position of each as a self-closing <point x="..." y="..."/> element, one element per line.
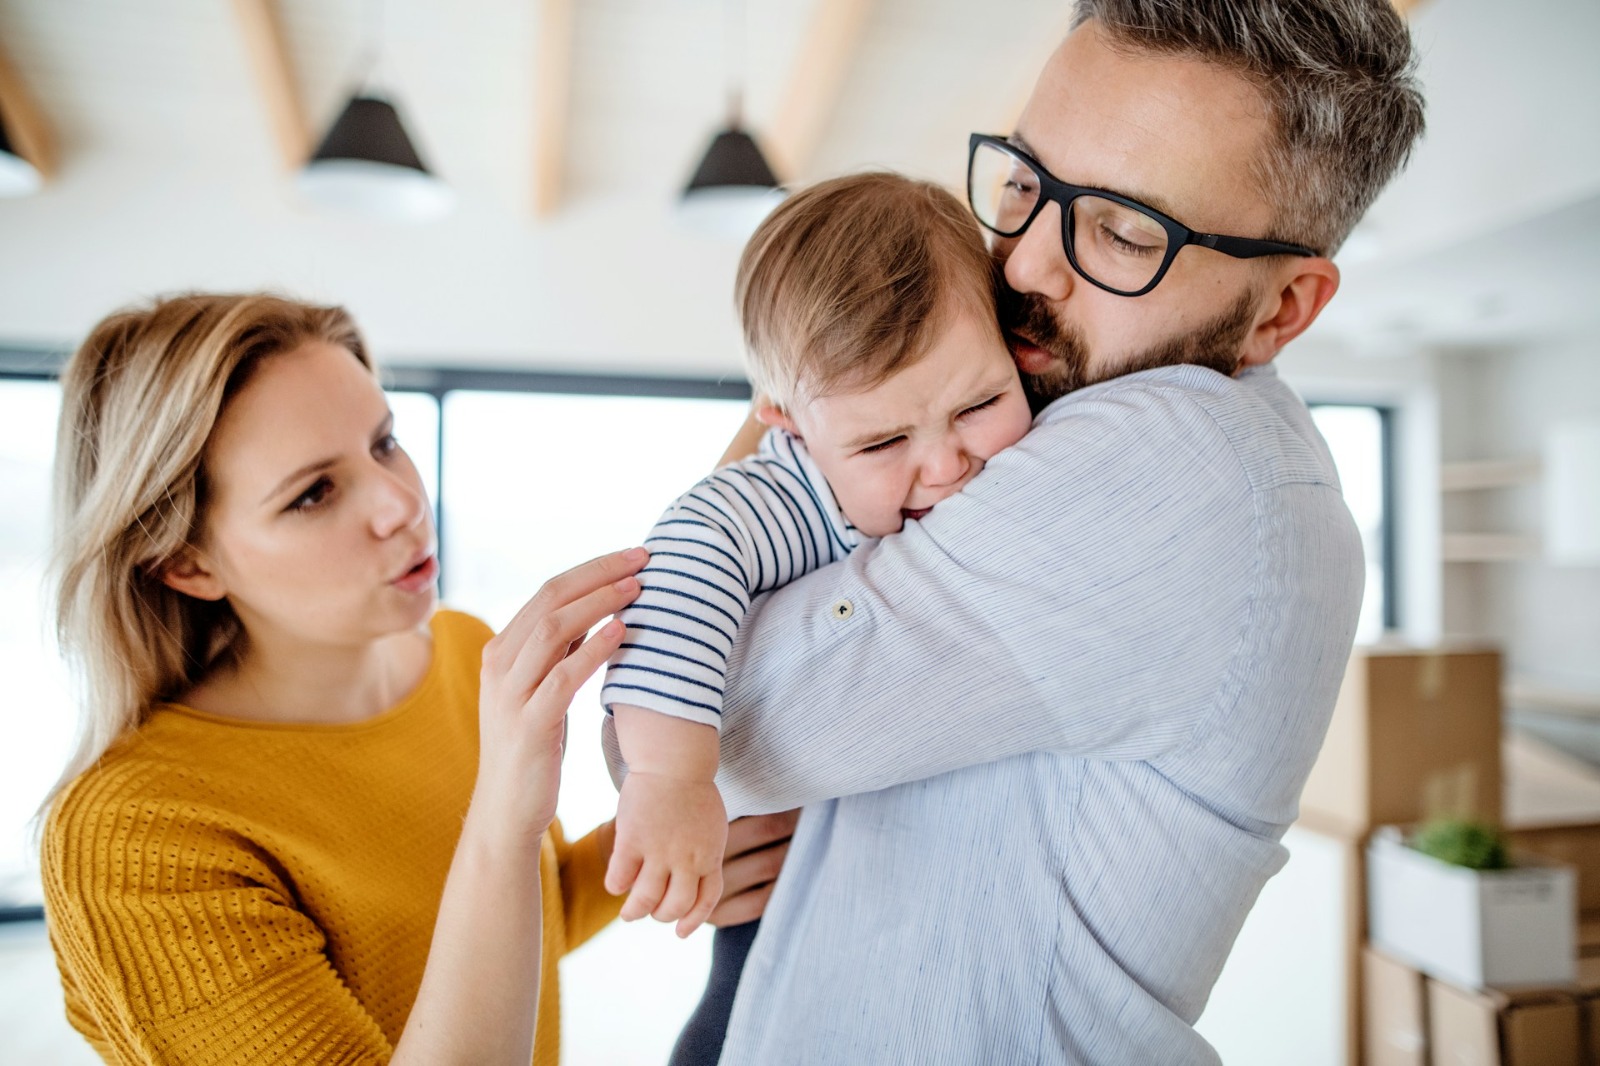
<point x="842" y="610"/>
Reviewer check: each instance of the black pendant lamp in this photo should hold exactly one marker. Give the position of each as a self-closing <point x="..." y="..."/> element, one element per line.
<point x="732" y="161"/>
<point x="734" y="187"/>
<point x="367" y="163"/>
<point x="18" y="177"/>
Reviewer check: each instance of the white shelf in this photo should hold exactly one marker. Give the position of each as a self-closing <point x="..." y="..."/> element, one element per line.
<point x="1488" y="474"/>
<point x="1487" y="547"/>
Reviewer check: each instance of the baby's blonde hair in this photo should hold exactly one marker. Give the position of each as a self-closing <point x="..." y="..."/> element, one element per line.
<point x="139" y="401"/>
<point x="847" y="281"/>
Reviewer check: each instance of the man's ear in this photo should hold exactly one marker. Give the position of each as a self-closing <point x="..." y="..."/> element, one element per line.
<point x="1299" y="300"/>
<point x="772" y="415"/>
<point x="191" y="574"/>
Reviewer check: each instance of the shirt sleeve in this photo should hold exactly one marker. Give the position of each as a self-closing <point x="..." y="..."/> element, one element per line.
<point x="751" y="526"/>
<point x="201" y="961"/>
<point x="588" y="907"/>
<point x="1087" y="594"/>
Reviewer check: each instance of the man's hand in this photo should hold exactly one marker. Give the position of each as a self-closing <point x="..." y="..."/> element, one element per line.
<point x="756" y="849"/>
<point x="671" y="835"/>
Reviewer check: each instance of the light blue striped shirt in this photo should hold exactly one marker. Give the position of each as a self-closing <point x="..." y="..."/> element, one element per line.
<point x="1048" y="738"/>
<point x="751" y="527"/>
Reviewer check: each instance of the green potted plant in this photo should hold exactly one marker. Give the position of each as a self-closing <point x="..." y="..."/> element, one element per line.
<point x="1463" y="842"/>
<point x="1448" y="898"/>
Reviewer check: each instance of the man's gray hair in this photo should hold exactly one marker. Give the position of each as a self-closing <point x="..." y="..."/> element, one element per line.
<point x="1339" y="78"/>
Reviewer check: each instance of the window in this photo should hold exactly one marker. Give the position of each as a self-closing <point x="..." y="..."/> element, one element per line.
<point x="1359" y="437"/>
<point x="534" y="483"/>
<point x="39" y="718"/>
<point x="497" y="461"/>
<point x="530" y="474"/>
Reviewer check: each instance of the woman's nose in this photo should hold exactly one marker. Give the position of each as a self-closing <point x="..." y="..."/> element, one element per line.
<point x="1037" y="261"/>
<point x="400" y="503"/>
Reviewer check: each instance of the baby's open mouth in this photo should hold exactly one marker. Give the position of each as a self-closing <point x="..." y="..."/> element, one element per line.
<point x="911" y="514"/>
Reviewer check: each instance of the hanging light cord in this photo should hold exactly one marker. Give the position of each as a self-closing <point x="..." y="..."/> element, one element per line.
<point x="368" y="62"/>
<point x="734" y="47"/>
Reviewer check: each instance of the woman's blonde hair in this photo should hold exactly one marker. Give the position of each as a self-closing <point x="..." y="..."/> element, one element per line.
<point x="139" y="401"/>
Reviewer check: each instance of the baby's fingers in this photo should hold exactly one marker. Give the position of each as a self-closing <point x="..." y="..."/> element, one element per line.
<point x="623" y="870"/>
<point x="648" y="888"/>
<point x="682" y="891"/>
<point x="704" y="904"/>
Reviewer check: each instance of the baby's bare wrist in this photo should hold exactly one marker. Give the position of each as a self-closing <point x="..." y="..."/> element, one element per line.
<point x="675" y="774"/>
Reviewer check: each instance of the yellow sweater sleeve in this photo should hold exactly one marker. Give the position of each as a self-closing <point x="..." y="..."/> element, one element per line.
<point x="587" y="905"/>
<point x="192" y="950"/>
<point x="226" y="892"/>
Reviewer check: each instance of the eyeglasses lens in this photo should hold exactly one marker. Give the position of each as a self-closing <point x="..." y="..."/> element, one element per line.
<point x="1002" y="188"/>
<point x="1118" y="246"/>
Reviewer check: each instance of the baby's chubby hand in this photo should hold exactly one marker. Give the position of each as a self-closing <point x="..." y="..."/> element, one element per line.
<point x="670" y="837"/>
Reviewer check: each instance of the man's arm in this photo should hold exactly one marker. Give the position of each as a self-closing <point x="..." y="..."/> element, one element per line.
<point x="1089" y="593"/>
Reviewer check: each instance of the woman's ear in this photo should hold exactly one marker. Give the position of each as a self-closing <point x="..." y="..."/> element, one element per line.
<point x="191" y="574"/>
<point x="772" y="415"/>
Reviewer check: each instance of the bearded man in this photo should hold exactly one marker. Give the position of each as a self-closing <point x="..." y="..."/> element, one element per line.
<point x="1049" y="750"/>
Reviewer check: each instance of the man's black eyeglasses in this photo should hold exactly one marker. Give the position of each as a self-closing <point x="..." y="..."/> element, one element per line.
<point x="1118" y="244"/>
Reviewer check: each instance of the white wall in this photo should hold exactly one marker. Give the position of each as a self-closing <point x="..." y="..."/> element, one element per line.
<point x="1402" y="378"/>
<point x="615" y="285"/>
<point x="1497" y="405"/>
<point x="1513" y="113"/>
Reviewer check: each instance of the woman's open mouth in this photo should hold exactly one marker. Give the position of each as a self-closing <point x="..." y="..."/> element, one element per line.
<point x="420" y="576"/>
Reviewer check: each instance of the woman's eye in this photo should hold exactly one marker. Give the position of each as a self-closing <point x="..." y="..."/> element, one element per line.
<point x="881" y="446"/>
<point x="313" y="496"/>
<point x="990" y="402"/>
<point x="385" y="446"/>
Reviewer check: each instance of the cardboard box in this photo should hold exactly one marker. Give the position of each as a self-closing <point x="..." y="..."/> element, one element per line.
<point x="1589" y="995"/>
<point x="1413" y="1020"/>
<point x="1577" y="845"/>
<point x="1506" y="928"/>
<point x="1588" y="934"/>
<point x="1538" y="1027"/>
<point x="1591" y="1031"/>
<point x="1415" y="733"/>
<point x="1395" y="1002"/>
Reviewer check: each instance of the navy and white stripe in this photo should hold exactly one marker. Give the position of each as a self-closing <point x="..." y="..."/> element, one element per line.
<point x="748" y="528"/>
<point x="1067" y="720"/>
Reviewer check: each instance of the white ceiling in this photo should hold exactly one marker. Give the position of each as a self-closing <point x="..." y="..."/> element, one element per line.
<point x="166" y="154"/>
<point x="649" y="82"/>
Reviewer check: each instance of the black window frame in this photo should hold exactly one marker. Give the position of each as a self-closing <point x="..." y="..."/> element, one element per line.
<point x="40" y="364"/>
<point x="28" y="364"/>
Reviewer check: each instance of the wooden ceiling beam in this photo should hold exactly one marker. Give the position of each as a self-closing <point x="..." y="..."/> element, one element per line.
<point x="261" y="25"/>
<point x="552" y="90"/>
<point x="26" y="125"/>
<point x="816" y="81"/>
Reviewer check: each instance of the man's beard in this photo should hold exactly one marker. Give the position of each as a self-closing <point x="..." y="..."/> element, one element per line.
<point x="1216" y="344"/>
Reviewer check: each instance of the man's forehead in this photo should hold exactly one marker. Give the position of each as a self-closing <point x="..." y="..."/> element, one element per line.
<point x="1175" y="132"/>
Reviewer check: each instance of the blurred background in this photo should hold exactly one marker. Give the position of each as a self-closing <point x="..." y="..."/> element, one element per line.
<point x="545" y="299"/>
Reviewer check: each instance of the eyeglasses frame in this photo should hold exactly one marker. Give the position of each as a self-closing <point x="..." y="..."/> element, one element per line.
<point x="1053" y="190"/>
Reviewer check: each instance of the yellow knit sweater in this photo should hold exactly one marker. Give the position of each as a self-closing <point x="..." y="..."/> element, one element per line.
<point x="222" y="891"/>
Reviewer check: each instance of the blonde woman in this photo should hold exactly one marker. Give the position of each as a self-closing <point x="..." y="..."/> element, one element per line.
<point x="311" y="817"/>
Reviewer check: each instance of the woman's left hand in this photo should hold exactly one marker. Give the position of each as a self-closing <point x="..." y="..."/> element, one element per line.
<point x="531" y="671"/>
